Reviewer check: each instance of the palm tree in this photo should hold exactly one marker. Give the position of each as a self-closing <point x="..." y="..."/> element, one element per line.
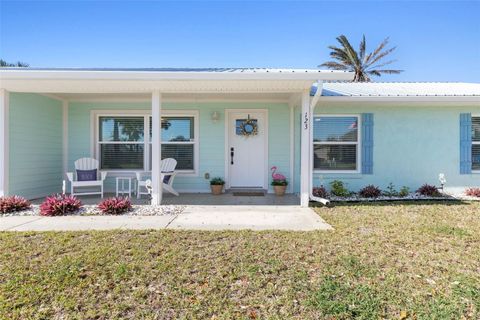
<point x="4" y="64"/>
<point x="362" y="64"/>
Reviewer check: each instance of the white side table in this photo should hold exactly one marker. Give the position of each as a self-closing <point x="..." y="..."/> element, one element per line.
<point x="122" y="187"/>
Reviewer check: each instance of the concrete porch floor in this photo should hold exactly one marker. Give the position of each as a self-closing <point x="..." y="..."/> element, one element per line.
<point x="204" y="199"/>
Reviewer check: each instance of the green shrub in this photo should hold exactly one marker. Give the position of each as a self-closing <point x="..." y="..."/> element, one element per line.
<point x="391" y="191"/>
<point x="404" y="191"/>
<point x="338" y="189"/>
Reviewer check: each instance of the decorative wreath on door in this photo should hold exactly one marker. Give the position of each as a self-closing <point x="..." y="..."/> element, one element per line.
<point x="248" y="127"/>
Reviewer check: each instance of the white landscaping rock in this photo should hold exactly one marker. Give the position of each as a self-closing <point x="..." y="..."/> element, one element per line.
<point x="92" y="210"/>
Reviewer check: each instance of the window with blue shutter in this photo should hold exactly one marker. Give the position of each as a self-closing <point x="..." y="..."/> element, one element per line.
<point x="336" y="143"/>
<point x="465" y="143"/>
<point x="367" y="143"/>
<point x="475" y="143"/>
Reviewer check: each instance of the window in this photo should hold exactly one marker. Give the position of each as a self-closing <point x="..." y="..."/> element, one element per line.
<point x="178" y="141"/>
<point x="336" y="143"/>
<point x="476" y="143"/>
<point x="122" y="145"/>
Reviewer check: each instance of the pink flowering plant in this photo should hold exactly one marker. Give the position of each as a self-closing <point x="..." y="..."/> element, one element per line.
<point x="116" y="205"/>
<point x="59" y="205"/>
<point x="13" y="204"/>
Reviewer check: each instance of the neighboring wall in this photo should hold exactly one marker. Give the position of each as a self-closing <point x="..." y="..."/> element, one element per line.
<point x="412" y="145"/>
<point x="212" y="136"/>
<point x="35" y="159"/>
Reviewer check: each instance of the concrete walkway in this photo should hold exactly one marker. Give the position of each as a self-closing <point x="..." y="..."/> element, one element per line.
<point x="193" y="218"/>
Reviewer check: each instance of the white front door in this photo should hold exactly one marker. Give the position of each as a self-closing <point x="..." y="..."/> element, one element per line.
<point x="246" y="154"/>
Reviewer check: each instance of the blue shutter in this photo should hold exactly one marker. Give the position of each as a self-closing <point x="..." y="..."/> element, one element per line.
<point x="367" y="143"/>
<point x="465" y="143"/>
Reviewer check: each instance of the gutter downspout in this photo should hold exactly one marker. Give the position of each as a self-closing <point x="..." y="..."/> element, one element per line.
<point x="313" y="103"/>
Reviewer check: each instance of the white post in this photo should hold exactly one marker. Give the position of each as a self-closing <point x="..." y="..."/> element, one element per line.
<point x="292" y="146"/>
<point x="156" y="148"/>
<point x="65" y="138"/>
<point x="4" y="106"/>
<point x="305" y="150"/>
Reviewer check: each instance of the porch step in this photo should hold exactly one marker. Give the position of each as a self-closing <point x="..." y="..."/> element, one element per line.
<point x="247" y="192"/>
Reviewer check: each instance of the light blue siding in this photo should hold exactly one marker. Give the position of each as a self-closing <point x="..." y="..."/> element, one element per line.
<point x="35" y="139"/>
<point x="367" y="143"/>
<point x="465" y="143"/>
<point x="413" y="144"/>
<point x="212" y="136"/>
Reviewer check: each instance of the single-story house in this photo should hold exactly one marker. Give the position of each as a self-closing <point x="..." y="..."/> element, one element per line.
<point x="313" y="125"/>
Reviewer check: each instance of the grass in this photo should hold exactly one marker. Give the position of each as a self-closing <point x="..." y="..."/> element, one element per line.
<point x="395" y="261"/>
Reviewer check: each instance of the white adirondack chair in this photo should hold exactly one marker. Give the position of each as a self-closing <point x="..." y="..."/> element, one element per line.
<point x="86" y="164"/>
<point x="168" y="175"/>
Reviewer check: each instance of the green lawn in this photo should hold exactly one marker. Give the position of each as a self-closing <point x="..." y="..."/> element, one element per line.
<point x="414" y="261"/>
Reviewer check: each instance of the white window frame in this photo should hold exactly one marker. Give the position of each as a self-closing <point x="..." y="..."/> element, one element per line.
<point x="358" y="143"/>
<point x="146" y="114"/>
<point x="181" y="113"/>
<point x="475" y="143"/>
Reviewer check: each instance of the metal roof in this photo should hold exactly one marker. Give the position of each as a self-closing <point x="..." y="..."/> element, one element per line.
<point x="399" y="89"/>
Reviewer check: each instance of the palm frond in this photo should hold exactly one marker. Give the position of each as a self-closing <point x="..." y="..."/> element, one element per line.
<point x="363" y="47"/>
<point x="379" y="48"/>
<point x="334" y="65"/>
<point x="380" y="56"/>
<point x="352" y="54"/>
<point x="385" y="71"/>
<point x="381" y="64"/>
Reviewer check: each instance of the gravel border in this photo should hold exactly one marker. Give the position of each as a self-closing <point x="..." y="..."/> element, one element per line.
<point x="410" y="197"/>
<point x="92" y="210"/>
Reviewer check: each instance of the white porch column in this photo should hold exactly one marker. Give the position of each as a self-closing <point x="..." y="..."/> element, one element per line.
<point x="4" y="148"/>
<point x="156" y="148"/>
<point x="305" y="150"/>
<point x="65" y="138"/>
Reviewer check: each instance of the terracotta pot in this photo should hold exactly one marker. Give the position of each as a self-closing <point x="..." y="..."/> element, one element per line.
<point x="216" y="189"/>
<point x="279" y="190"/>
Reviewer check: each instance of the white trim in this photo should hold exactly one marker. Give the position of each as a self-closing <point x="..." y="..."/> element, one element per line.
<point x="358" y="143"/>
<point x="227" y="143"/>
<point x="157" y="183"/>
<point x="52" y="96"/>
<point x="181" y="100"/>
<point x="65" y="138"/>
<point x="94" y="120"/>
<point x="246" y="74"/>
<point x="306" y="145"/>
<point x="292" y="147"/>
<point x="4" y="141"/>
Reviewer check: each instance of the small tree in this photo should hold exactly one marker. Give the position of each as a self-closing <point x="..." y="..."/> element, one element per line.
<point x="363" y="65"/>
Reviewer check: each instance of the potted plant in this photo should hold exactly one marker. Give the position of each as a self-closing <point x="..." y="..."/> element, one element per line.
<point x="279" y="182"/>
<point x="279" y="186"/>
<point x="216" y="185"/>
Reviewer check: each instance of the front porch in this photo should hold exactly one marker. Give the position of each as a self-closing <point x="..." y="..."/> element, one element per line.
<point x="129" y="126"/>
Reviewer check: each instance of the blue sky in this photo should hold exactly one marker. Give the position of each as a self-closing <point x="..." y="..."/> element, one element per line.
<point x="437" y="40"/>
